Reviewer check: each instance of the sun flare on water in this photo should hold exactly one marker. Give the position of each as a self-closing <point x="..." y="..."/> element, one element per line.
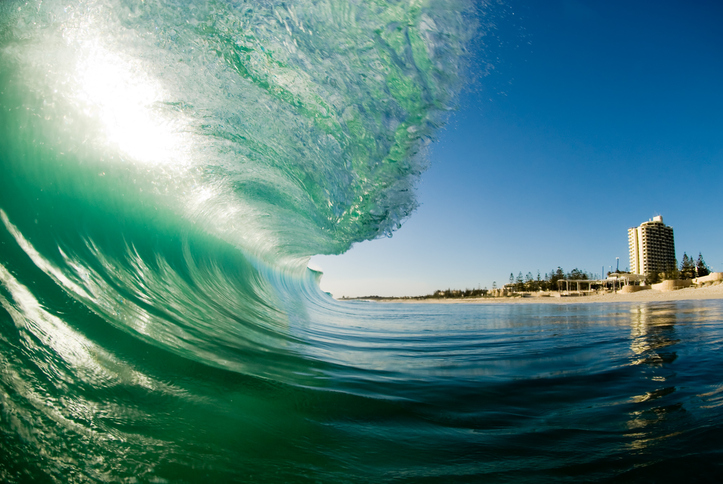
<point x="126" y="101"/>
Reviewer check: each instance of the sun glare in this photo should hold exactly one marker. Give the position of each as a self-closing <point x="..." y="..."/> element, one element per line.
<point x="118" y="93"/>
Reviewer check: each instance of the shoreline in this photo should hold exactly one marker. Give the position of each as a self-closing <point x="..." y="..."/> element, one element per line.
<point x="650" y="295"/>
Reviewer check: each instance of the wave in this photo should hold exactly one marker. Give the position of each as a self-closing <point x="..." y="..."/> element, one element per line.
<point x="285" y="130"/>
<point x="172" y="166"/>
<point x="167" y="168"/>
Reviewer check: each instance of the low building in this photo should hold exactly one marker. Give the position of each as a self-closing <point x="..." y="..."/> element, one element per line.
<point x="626" y="278"/>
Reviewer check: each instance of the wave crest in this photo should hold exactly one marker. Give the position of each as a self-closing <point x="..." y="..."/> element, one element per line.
<point x="286" y="130"/>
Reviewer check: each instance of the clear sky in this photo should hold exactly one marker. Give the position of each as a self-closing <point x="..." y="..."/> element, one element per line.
<point x="596" y="117"/>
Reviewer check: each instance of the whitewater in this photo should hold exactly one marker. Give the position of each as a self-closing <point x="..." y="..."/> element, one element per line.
<point x="168" y="168"/>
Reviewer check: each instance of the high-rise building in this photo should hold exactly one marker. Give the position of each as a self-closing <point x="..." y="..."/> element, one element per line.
<point x="652" y="248"/>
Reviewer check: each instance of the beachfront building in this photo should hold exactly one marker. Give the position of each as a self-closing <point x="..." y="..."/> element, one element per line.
<point x="652" y="248"/>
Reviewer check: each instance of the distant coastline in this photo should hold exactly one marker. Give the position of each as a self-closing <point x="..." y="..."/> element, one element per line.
<point x="689" y="293"/>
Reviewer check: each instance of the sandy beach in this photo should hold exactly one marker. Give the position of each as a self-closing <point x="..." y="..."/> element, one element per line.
<point x="650" y="295"/>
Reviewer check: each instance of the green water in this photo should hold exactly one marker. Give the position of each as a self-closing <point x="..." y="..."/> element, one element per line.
<point x="287" y="130"/>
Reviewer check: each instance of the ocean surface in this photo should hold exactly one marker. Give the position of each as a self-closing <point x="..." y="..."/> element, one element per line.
<point x="166" y="171"/>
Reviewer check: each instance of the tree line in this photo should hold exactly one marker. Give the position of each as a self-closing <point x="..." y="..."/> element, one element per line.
<point x="689" y="268"/>
<point x="438" y="294"/>
<point x="532" y="283"/>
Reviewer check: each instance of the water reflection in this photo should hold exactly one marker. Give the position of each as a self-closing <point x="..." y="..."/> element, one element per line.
<point x="653" y="330"/>
<point x="653" y="336"/>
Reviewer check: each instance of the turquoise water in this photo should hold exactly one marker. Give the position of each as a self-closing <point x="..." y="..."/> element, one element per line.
<point x="167" y="169"/>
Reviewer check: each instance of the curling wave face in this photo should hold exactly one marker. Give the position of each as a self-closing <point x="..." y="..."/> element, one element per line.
<point x="166" y="171"/>
<point x="287" y="130"/>
<point x="172" y="166"/>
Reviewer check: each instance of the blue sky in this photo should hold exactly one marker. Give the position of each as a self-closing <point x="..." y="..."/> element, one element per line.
<point x="596" y="117"/>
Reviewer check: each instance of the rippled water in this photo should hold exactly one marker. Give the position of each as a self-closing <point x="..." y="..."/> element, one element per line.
<point x="451" y="393"/>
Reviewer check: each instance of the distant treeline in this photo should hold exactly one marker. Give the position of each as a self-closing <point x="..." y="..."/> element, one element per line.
<point x="547" y="283"/>
<point x="439" y="294"/>
<point x="688" y="269"/>
<point x="452" y="293"/>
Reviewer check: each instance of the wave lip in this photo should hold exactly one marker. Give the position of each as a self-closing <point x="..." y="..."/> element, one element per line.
<point x="286" y="130"/>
